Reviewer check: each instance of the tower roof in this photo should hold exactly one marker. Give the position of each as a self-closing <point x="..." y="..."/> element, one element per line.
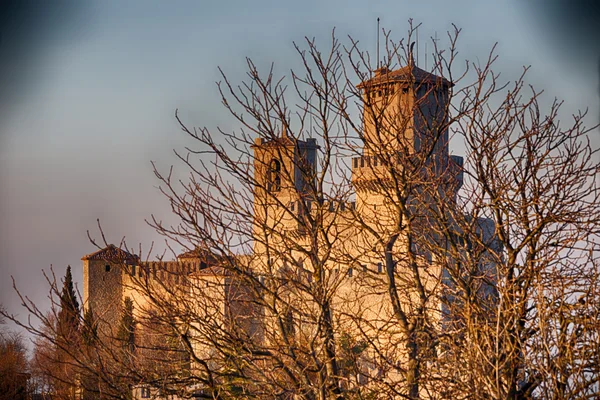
<point x="285" y="141"/>
<point x="111" y="253"/>
<point x="213" y="270"/>
<point x="199" y="254"/>
<point x="410" y="74"/>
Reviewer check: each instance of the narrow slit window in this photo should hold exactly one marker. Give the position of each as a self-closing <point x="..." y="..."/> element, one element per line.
<point x="275" y="176"/>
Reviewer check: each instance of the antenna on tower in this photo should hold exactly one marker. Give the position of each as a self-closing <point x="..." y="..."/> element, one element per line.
<point x="417" y="47"/>
<point x="378" y="43"/>
<point x="435" y="49"/>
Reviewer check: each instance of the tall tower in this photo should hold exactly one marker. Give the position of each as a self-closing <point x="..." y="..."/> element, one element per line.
<point x="405" y="115"/>
<point x="103" y="285"/>
<point x="284" y="171"/>
<point x="404" y="108"/>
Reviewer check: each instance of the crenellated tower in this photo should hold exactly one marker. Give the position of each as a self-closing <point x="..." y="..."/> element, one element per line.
<point x="405" y="118"/>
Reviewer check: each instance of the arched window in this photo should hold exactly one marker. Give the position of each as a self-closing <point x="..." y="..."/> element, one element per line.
<point x="274" y="175"/>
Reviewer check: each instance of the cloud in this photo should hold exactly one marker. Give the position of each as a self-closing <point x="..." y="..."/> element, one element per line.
<point x="28" y="28"/>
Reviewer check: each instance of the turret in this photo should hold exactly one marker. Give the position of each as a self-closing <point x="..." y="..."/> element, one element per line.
<point x="403" y="109"/>
<point x="405" y="115"/>
<point x="284" y="169"/>
<point x="103" y="273"/>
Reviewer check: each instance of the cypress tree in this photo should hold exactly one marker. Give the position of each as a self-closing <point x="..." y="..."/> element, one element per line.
<point x="67" y="341"/>
<point x="89" y="338"/>
<point x="68" y="316"/>
<point x="89" y="330"/>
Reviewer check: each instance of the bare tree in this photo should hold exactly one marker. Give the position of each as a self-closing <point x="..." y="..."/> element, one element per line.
<point x="330" y="253"/>
<point x="14" y="366"/>
<point x="538" y="181"/>
<point x="70" y="360"/>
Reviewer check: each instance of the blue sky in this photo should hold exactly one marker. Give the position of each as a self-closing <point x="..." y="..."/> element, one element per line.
<point x="93" y="97"/>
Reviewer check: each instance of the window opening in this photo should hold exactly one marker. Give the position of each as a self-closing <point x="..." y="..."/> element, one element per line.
<point x="275" y="176"/>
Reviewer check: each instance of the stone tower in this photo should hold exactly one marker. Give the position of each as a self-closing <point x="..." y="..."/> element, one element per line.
<point x="284" y="170"/>
<point x="405" y="113"/>
<point x="103" y="285"/>
<point x="405" y="108"/>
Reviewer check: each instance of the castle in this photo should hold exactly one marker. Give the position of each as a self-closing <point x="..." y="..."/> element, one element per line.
<point x="407" y="115"/>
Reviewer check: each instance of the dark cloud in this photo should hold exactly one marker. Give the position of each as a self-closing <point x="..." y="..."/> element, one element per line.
<point x="28" y="28"/>
<point x="573" y="27"/>
<point x="29" y="32"/>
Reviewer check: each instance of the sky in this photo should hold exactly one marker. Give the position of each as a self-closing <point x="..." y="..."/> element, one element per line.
<point x="88" y="93"/>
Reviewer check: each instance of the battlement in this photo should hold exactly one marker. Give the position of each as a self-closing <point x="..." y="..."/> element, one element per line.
<point x="109" y="271"/>
<point x="167" y="271"/>
<point x="368" y="167"/>
<point x="365" y="161"/>
<point x="328" y="205"/>
<point x="309" y="142"/>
